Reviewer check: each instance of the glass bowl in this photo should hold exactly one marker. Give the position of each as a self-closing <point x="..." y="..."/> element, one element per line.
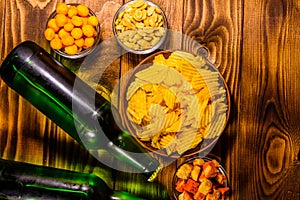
<point x="194" y="177"/>
<point x="84" y="52"/>
<point x="140" y="37"/>
<point x="184" y="141"/>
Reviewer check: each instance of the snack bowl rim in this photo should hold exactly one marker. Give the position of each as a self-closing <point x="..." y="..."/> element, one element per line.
<point x="127" y="123"/>
<point x="84" y="52"/>
<point x="190" y="160"/>
<point x="146" y="51"/>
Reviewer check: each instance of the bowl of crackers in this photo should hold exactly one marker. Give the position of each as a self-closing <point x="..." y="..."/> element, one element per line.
<point x="140" y="26"/>
<point x="73" y="30"/>
<point x="200" y="178"/>
<point x="175" y="103"/>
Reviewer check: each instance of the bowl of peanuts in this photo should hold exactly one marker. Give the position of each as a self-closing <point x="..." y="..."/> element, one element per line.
<point x="200" y="178"/>
<point x="140" y="26"/>
<point x="73" y="30"/>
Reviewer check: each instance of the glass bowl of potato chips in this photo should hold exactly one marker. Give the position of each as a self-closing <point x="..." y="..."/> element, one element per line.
<point x="175" y="104"/>
<point x="140" y="26"/>
<point x="72" y="30"/>
<point x="200" y="178"/>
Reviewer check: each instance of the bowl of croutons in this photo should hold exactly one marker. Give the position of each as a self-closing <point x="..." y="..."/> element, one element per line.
<point x="200" y="178"/>
<point x="73" y="30"/>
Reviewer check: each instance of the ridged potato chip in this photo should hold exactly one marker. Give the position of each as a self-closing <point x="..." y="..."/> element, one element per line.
<point x="184" y="101"/>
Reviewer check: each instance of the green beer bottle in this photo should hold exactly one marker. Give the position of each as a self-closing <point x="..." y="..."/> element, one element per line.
<point x="32" y="182"/>
<point x="73" y="105"/>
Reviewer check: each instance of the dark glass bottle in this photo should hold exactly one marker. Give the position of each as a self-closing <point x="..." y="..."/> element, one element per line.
<point x="26" y="181"/>
<point x="72" y="104"/>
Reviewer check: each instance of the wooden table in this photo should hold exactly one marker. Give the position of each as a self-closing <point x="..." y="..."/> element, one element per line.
<point x="255" y="45"/>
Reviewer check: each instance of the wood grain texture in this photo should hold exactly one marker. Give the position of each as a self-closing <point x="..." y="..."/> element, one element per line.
<point x="26" y="134"/>
<point x="254" y="44"/>
<point x="16" y="28"/>
<point x="217" y="26"/>
<point x="128" y="62"/>
<point x="271" y="136"/>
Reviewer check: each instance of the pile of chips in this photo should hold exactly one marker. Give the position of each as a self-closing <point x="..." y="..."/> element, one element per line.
<point x="176" y="103"/>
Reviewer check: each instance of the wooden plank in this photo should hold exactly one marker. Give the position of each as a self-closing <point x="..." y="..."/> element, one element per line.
<point x="216" y="26"/>
<point x="2" y="17"/>
<point x="269" y="101"/>
<point x="163" y="184"/>
<point x="101" y="77"/>
<point x="26" y="134"/>
<point x="16" y="29"/>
